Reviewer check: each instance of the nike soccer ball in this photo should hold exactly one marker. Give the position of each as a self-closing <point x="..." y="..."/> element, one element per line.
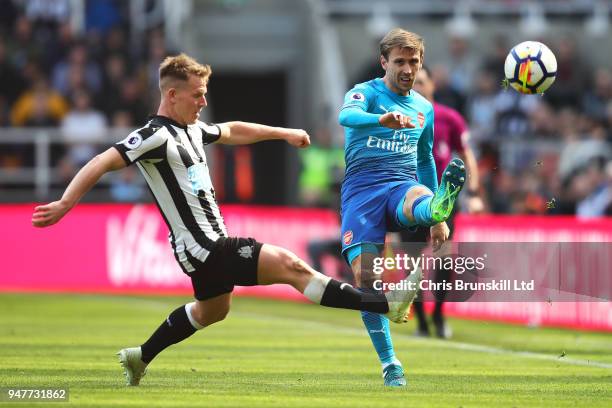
<point x="530" y="67"/>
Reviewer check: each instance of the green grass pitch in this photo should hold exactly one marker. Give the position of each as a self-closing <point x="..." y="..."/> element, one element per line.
<point x="271" y="353"/>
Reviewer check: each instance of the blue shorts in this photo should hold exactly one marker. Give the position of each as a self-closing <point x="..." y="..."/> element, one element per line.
<point x="368" y="213"/>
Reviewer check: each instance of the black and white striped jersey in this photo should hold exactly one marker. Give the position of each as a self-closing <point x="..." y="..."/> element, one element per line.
<point x="172" y="160"/>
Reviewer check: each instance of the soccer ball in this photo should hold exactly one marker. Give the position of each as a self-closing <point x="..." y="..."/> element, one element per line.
<point x="530" y="67"/>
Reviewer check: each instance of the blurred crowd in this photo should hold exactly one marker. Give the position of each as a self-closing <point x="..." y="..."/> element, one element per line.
<point x="539" y="153"/>
<point x="546" y="154"/>
<point x="83" y="84"/>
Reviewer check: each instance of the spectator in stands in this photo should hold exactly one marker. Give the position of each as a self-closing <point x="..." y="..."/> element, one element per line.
<point x="596" y="98"/>
<point x="125" y="186"/>
<point x="22" y="46"/>
<point x="60" y="45"/>
<point x="579" y="178"/>
<point x="8" y="17"/>
<point x="512" y="109"/>
<point x="596" y="179"/>
<point x="481" y="106"/>
<point x="39" y="104"/>
<point x="116" y="43"/>
<point x="131" y="99"/>
<point x="462" y="66"/>
<point x="322" y="171"/>
<point x="157" y="51"/>
<point x="81" y="129"/>
<point x="494" y="59"/>
<point x="115" y="70"/>
<point x="445" y="93"/>
<point x="573" y="71"/>
<point x="543" y="121"/>
<point x="11" y="81"/>
<point x="77" y="64"/>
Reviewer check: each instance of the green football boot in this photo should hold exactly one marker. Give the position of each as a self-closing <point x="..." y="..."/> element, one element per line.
<point x="451" y="184"/>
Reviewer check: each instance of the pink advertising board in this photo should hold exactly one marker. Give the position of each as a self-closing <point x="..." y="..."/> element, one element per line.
<point x="124" y="249"/>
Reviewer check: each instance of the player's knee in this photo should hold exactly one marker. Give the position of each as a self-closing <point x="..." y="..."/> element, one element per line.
<point x="209" y="316"/>
<point x="417" y="192"/>
<point x="411" y="197"/>
<point x="294" y="269"/>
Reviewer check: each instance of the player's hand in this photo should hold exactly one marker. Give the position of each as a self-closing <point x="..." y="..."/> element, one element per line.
<point x="439" y="235"/>
<point x="475" y="205"/>
<point x="49" y="214"/>
<point x="298" y="138"/>
<point x="395" y="120"/>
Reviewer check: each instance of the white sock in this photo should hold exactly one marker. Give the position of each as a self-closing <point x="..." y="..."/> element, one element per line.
<point x="395" y="361"/>
<point x="316" y="287"/>
<point x="193" y="321"/>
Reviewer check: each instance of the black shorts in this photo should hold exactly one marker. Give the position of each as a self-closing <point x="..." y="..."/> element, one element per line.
<point x="232" y="261"/>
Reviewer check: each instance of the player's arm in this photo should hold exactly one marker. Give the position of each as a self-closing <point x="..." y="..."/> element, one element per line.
<point x="426" y="165"/>
<point x="85" y="179"/>
<point x="239" y="133"/>
<point x="355" y="117"/>
<point x="355" y="112"/>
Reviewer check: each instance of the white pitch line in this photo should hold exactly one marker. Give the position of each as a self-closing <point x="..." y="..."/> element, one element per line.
<point x="447" y="344"/>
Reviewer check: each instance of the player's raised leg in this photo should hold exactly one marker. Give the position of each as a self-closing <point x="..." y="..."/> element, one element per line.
<point x="278" y="265"/>
<point x="180" y="324"/>
<point x="421" y="207"/>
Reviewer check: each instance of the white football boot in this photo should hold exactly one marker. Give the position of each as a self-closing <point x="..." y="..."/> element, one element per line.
<point x="133" y="366"/>
<point x="400" y="300"/>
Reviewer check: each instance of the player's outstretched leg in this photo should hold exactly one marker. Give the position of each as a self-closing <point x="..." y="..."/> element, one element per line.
<point x="181" y="324"/>
<point x="452" y="181"/>
<point x="278" y="265"/>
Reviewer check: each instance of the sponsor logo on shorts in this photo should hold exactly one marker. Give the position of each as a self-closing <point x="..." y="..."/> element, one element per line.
<point x="421" y="119"/>
<point x="246" y="252"/>
<point x="347" y="238"/>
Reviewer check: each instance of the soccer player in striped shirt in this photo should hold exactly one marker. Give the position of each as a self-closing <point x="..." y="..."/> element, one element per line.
<point x="169" y="151"/>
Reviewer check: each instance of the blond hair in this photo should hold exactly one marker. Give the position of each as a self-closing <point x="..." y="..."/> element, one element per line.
<point x="403" y="39"/>
<point x="179" y="67"/>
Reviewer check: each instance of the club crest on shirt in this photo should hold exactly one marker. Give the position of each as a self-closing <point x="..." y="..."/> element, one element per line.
<point x="246" y="251"/>
<point x="421" y="119"/>
<point x="357" y="96"/>
<point x="347" y="238"/>
<point x="132" y="142"/>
